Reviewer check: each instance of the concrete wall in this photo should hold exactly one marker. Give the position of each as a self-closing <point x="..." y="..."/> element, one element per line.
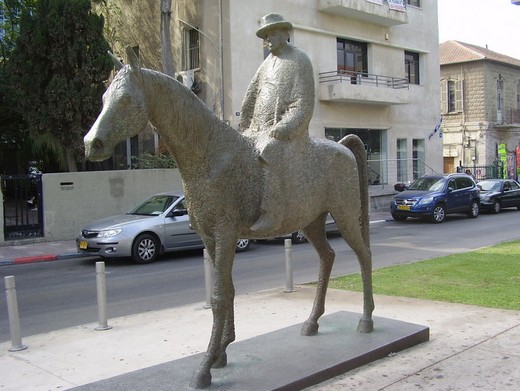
<point x="72" y="200"/>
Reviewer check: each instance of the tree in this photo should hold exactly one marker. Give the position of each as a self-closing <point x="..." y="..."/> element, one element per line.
<point x="12" y="134"/>
<point x="58" y="69"/>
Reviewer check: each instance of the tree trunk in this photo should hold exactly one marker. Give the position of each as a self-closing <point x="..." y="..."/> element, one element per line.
<point x="71" y="161"/>
<point x="166" y="44"/>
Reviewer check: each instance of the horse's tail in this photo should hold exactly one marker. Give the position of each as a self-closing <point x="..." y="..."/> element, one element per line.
<point x="357" y="147"/>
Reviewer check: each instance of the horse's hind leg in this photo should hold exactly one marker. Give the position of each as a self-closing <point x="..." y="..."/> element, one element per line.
<point x="315" y="233"/>
<point x="351" y="232"/>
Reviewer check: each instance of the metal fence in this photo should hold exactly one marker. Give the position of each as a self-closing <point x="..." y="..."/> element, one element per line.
<point x="484" y="172"/>
<point x="391" y="171"/>
<point x="23" y="212"/>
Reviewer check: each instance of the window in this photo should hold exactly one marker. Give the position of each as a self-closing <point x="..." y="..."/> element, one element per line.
<point x="500" y="99"/>
<point x="451" y="96"/>
<point x="352" y="58"/>
<point x="191" y="48"/>
<point x="375" y="144"/>
<point x="415" y="3"/>
<point x="402" y="157"/>
<point x="418" y="158"/>
<point x="411" y="67"/>
<point x="518" y="95"/>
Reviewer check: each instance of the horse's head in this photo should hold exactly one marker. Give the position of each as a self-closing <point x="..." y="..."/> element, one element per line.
<point x="124" y="111"/>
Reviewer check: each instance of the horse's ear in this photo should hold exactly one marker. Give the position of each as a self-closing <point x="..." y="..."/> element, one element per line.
<point x="132" y="59"/>
<point x="118" y="64"/>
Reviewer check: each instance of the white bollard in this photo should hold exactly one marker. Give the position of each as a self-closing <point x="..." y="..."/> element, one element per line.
<point x="289" y="286"/>
<point x="101" y="297"/>
<point x="209" y="278"/>
<point x="14" y="318"/>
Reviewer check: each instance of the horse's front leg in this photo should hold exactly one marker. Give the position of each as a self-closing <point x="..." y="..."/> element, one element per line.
<point x="317" y="237"/>
<point x="223" y="330"/>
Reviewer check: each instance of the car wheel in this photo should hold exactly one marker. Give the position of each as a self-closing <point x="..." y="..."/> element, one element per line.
<point x="242" y="245"/>
<point x="298" y="237"/>
<point x="145" y="249"/>
<point x="397" y="217"/>
<point x="439" y="213"/>
<point x="473" y="212"/>
<point x="496" y="207"/>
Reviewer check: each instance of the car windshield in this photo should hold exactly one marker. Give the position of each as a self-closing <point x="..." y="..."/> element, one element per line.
<point x="489" y="186"/>
<point x="154" y="205"/>
<point x="428" y="184"/>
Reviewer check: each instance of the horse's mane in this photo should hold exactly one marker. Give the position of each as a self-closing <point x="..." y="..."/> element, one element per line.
<point x="195" y="125"/>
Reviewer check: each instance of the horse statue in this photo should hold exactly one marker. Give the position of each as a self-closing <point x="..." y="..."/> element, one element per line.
<point x="223" y="182"/>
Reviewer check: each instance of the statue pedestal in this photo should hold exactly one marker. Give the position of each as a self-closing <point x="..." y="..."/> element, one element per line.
<point x="282" y="359"/>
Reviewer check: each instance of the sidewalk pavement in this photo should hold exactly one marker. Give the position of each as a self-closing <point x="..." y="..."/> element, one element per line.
<point x="470" y="347"/>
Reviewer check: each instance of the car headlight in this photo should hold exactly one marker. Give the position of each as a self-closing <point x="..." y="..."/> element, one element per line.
<point x="109" y="233"/>
<point x="484" y="197"/>
<point x="426" y="201"/>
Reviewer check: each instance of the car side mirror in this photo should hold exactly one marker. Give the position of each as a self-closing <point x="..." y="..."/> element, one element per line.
<point x="450" y="189"/>
<point x="400" y="187"/>
<point x="178" y="212"/>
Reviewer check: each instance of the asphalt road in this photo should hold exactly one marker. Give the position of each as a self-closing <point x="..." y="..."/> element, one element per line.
<point x="62" y="294"/>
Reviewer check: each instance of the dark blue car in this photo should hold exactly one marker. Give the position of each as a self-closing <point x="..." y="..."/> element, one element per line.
<point x="436" y="195"/>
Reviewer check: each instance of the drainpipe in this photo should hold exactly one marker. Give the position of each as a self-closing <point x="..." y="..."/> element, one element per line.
<point x="221" y="58"/>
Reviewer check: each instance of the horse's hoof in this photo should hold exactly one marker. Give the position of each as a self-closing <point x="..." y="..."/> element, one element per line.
<point x="221" y="361"/>
<point x="309" y="328"/>
<point x="200" y="380"/>
<point x="365" y="326"/>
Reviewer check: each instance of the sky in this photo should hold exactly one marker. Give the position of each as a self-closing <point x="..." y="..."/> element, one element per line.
<point x="495" y="23"/>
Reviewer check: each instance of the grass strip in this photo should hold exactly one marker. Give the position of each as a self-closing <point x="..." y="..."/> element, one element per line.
<point x="488" y="277"/>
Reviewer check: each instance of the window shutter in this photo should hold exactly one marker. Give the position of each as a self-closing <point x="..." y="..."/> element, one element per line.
<point x="444" y="96"/>
<point x="459" y="84"/>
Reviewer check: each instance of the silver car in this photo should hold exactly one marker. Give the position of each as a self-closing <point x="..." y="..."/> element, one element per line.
<point x="158" y="225"/>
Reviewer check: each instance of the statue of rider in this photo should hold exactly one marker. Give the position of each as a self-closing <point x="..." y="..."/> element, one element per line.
<point x="276" y="112"/>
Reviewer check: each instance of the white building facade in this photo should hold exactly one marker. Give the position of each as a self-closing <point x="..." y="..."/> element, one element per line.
<point x="376" y="65"/>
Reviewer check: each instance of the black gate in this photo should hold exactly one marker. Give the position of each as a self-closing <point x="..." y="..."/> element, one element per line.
<point x="23" y="206"/>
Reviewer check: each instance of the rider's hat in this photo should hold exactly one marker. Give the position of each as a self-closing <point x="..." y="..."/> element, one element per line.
<point x="270" y="22"/>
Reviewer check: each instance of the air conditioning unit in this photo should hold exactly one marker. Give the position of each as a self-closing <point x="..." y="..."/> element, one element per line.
<point x="186" y="77"/>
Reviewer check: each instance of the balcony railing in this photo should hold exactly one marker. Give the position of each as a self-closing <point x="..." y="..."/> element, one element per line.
<point x="362" y="78"/>
<point x="363" y="88"/>
<point x="507" y="116"/>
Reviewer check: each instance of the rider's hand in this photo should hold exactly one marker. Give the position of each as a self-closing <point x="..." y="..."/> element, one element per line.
<point x="280" y="133"/>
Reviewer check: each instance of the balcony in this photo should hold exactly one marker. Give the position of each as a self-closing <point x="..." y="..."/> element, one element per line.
<point x="508" y="118"/>
<point x="364" y="10"/>
<point x="366" y="88"/>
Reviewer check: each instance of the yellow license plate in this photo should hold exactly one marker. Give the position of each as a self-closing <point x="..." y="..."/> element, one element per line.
<point x="403" y="207"/>
<point x="83" y="245"/>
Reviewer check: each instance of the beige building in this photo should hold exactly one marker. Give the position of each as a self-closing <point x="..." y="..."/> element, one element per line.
<point x="480" y="103"/>
<point x="376" y="67"/>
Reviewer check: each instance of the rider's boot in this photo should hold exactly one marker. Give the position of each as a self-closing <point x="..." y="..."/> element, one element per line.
<point x="271" y="217"/>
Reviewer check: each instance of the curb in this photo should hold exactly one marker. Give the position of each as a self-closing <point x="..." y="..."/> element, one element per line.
<point x="40" y="258"/>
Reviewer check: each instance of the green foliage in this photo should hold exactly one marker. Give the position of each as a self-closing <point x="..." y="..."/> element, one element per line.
<point x="58" y="71"/>
<point x="488" y="277"/>
<point x="147" y="161"/>
<point x="12" y="135"/>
